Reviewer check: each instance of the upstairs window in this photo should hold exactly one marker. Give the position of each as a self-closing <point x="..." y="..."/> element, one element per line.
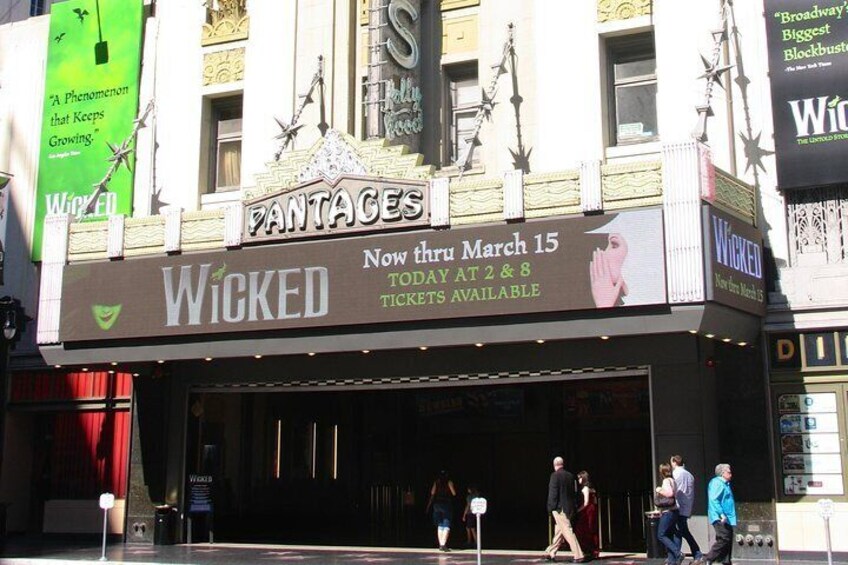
<point x="36" y="7"/>
<point x="632" y="74"/>
<point x="462" y="98"/>
<point x="226" y="144"/>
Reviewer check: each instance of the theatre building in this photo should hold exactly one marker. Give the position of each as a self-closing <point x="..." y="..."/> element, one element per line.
<point x="366" y="242"/>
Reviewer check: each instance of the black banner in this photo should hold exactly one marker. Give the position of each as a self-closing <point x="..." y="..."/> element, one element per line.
<point x="808" y="60"/>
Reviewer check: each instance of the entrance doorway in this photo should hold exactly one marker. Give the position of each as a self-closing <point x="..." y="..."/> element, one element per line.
<point x="355" y="467"/>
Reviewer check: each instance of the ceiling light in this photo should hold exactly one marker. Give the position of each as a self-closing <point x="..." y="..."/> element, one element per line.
<point x="478" y="345"/>
<point x="540" y="341"/>
<point x="57" y="366"/>
<point x="693" y="331"/>
<point x="366" y="351"/>
<point x="423" y="348"/>
<point x="743" y="343"/>
<point x="111" y="372"/>
<point x="710" y="335"/>
<point x="135" y="374"/>
<point x="85" y="369"/>
<point x="311" y="354"/>
<point x="604" y="337"/>
<point x="114" y="363"/>
<point x="160" y="361"/>
<point x="207" y="359"/>
<point x="726" y="340"/>
<point x="257" y="357"/>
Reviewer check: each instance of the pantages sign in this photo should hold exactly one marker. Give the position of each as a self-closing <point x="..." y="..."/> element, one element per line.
<point x="608" y="261"/>
<point x="349" y="204"/>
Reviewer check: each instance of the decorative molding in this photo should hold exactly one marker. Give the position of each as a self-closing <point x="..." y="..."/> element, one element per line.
<point x="552" y="194"/>
<point x="376" y="157"/>
<point x="476" y="201"/>
<point x="173" y="233"/>
<point x="513" y="195"/>
<point x="202" y="230"/>
<point x="440" y="203"/>
<point x="591" y="195"/>
<point x="226" y="20"/>
<point x="144" y="236"/>
<point x="735" y="197"/>
<point x="223" y="66"/>
<point x="53" y="257"/>
<point x="632" y="184"/>
<point x="681" y="201"/>
<point x="612" y="10"/>
<point x="88" y="240"/>
<point x="818" y="226"/>
<point x="115" y="242"/>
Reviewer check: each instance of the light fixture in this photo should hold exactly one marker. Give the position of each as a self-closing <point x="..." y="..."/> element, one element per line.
<point x="207" y="359"/>
<point x="311" y="354"/>
<point x="257" y="356"/>
<point x="135" y="374"/>
<point x="114" y="363"/>
<point x="743" y="343"/>
<point x="111" y="372"/>
<point x="160" y="361"/>
<point x="85" y="369"/>
<point x="726" y="340"/>
<point x="693" y="331"/>
<point x="709" y="335"/>
<point x="604" y="337"/>
<point x="540" y="341"/>
<point x="9" y="326"/>
<point x="423" y="348"/>
<point x="57" y="366"/>
<point x="478" y="345"/>
<point x="366" y="351"/>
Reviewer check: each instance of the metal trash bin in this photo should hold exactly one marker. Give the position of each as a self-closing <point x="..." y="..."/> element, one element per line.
<point x="653" y="549"/>
<point x="165" y="525"/>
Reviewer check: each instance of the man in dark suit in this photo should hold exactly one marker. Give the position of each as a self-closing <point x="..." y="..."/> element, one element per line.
<point x="562" y="490"/>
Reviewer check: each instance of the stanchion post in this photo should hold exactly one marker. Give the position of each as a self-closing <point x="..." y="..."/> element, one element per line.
<point x="107" y="501"/>
<point x="826" y="512"/>
<point x="478" y="508"/>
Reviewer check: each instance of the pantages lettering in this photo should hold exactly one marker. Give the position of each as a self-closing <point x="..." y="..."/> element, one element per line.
<point x="736" y="252"/>
<point x="203" y="296"/>
<point x="819" y="116"/>
<point x="353" y="204"/>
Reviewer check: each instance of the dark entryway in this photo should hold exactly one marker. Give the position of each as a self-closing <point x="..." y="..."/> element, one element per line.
<point x="355" y="467"/>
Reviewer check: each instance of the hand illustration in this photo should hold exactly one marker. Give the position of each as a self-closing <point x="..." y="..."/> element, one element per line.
<point x="605" y="272"/>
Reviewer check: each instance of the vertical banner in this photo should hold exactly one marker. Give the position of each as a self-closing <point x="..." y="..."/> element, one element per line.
<point x="395" y="64"/>
<point x="90" y="102"/>
<point x="808" y="63"/>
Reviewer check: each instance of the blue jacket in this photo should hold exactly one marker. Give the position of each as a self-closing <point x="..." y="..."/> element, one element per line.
<point x="720" y="501"/>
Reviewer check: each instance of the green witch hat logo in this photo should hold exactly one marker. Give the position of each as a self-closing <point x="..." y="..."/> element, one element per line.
<point x="106" y="316"/>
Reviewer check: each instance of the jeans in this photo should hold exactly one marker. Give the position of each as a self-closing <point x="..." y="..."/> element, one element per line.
<point x="666" y="532"/>
<point x="683" y="533"/>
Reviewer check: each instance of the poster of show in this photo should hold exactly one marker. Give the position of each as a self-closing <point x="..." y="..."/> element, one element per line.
<point x="808" y="64"/>
<point x="811" y="457"/>
<point x="90" y="103"/>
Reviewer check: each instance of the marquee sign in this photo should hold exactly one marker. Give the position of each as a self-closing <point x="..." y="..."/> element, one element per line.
<point x="349" y="204"/>
<point x="587" y="263"/>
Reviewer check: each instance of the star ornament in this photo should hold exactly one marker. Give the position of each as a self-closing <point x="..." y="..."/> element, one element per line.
<point x="287" y="131"/>
<point x="120" y="154"/>
<point x="487" y="105"/>
<point x="714" y="72"/>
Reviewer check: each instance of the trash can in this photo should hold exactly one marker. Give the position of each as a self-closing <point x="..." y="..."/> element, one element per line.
<point x="164" y="525"/>
<point x="653" y="548"/>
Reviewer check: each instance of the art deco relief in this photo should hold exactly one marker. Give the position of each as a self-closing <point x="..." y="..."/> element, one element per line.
<point x="736" y="196"/>
<point x="223" y="66"/>
<point x="611" y="10"/>
<point x="226" y="20"/>
<point x="633" y="184"/>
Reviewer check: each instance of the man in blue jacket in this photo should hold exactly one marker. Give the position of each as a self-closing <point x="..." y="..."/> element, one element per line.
<point x="721" y="511"/>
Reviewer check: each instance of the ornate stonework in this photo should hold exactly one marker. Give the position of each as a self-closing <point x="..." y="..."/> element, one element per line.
<point x="226" y="20"/>
<point x="611" y="10"/>
<point x="143" y="236"/>
<point x="736" y="197"/>
<point x="631" y="185"/>
<point x="88" y="240"/>
<point x="338" y="153"/>
<point x="476" y="201"/>
<point x="202" y="230"/>
<point x="223" y="66"/>
<point x="552" y="194"/>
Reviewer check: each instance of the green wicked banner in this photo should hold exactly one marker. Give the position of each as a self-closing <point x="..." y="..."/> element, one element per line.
<point x="90" y="101"/>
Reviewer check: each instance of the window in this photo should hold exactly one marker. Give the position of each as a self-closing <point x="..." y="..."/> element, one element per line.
<point x="36" y="7"/>
<point x="632" y="70"/>
<point x="462" y="100"/>
<point x="225" y="155"/>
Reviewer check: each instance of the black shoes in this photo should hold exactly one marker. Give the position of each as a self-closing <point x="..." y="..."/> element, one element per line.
<point x="444" y="548"/>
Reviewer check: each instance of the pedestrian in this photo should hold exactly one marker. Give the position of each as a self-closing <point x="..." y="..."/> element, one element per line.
<point x="561" y="494"/>
<point x="721" y="511"/>
<point x="684" y="494"/>
<point x="442" y="494"/>
<point x="469" y="518"/>
<point x="665" y="501"/>
<point x="586" y="524"/>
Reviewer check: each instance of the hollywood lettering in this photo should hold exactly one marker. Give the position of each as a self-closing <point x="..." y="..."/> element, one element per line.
<point x="310" y="212"/>
<point x="203" y="296"/>
<point x="819" y="116"/>
<point x="736" y="252"/>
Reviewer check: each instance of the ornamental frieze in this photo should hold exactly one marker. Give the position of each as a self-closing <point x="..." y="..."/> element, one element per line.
<point x="223" y="66"/>
<point x="612" y="10"/>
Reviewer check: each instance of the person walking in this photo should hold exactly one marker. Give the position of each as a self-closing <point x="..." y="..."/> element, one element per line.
<point x="721" y="511"/>
<point x="684" y="494"/>
<point x="586" y="523"/>
<point x="442" y="494"/>
<point x="667" y="528"/>
<point x="561" y="494"/>
<point x="469" y="518"/>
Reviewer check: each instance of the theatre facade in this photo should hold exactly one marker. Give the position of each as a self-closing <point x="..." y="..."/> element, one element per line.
<point x="357" y="324"/>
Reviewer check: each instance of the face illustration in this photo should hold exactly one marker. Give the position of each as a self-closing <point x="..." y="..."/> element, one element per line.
<point x="616" y="253"/>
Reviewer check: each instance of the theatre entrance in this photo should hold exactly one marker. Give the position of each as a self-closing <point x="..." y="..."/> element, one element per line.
<point x="354" y="467"/>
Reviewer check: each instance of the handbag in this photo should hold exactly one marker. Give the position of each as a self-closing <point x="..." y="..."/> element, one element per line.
<point x="663" y="501"/>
